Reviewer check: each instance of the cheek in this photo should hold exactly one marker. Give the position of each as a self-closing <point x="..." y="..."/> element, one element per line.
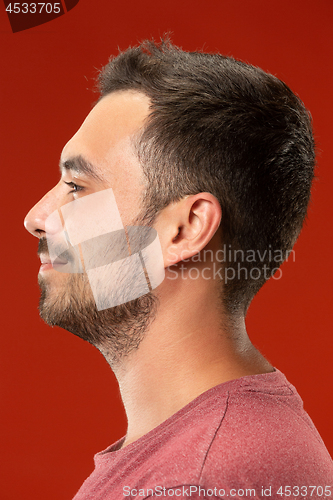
<point x="126" y="178"/>
<point x="128" y="199"/>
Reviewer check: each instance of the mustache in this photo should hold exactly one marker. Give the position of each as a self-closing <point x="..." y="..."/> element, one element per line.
<point x="65" y="254"/>
<point x="42" y="247"/>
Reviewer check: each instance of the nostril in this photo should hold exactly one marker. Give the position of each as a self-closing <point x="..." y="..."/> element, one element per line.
<point x="33" y="228"/>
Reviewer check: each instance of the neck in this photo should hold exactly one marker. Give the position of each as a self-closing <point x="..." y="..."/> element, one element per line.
<point x="182" y="355"/>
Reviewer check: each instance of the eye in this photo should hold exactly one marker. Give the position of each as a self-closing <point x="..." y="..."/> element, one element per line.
<point x="75" y="187"/>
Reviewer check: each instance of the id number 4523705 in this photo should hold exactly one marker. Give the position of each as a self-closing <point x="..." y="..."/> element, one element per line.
<point x="33" y="8"/>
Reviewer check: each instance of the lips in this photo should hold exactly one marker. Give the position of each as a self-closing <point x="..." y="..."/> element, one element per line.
<point x="63" y="261"/>
<point x="46" y="264"/>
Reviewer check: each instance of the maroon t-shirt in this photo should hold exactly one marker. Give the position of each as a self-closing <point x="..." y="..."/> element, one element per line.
<point x="246" y="438"/>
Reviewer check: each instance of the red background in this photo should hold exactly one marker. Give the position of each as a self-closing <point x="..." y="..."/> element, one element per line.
<point x="60" y="401"/>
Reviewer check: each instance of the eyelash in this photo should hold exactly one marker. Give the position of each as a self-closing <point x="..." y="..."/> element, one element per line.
<point x="75" y="187"/>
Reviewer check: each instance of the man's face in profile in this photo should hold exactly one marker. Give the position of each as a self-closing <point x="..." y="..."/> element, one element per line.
<point x="99" y="156"/>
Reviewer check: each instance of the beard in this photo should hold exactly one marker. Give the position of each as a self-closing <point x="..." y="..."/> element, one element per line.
<point x="116" y="331"/>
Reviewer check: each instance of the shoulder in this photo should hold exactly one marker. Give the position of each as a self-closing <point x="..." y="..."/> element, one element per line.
<point x="265" y="433"/>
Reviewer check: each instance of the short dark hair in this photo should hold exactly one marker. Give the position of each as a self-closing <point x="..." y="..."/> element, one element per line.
<point x="229" y="128"/>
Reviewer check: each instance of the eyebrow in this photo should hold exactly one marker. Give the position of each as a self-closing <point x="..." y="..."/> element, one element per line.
<point x="80" y="165"/>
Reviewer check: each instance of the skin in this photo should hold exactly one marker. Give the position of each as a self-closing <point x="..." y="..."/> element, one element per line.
<point x="192" y="345"/>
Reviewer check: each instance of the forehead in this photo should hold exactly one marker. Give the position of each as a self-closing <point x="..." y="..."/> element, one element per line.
<point x="108" y="129"/>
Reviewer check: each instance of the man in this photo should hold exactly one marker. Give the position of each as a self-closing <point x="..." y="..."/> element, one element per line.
<point x="217" y="157"/>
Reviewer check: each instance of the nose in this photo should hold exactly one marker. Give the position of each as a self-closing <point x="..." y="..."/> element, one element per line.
<point x="34" y="221"/>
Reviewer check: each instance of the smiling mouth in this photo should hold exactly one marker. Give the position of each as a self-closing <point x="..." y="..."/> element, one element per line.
<point x="46" y="264"/>
<point x="67" y="262"/>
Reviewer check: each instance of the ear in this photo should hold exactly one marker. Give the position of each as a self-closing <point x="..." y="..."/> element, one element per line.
<point x="185" y="227"/>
